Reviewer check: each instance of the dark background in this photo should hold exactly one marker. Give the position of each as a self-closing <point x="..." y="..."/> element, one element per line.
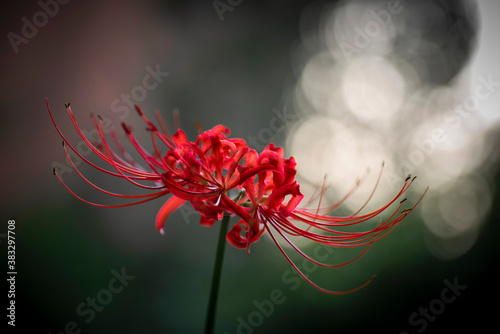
<point x="234" y="72"/>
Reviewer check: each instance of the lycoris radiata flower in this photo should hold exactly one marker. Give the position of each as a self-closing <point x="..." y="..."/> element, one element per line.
<point x="219" y="175"/>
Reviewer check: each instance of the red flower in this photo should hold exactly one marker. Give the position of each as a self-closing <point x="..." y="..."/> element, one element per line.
<point x="218" y="175"/>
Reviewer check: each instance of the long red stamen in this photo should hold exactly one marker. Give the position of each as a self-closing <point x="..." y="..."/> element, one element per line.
<point x="93" y="149"/>
<point x="298" y="250"/>
<point x="107" y="205"/>
<point x="308" y="280"/>
<point x="163" y="192"/>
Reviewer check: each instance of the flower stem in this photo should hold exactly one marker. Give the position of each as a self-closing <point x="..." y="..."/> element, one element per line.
<point x="214" y="290"/>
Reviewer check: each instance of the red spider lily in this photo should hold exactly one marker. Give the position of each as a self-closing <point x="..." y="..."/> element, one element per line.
<point x="220" y="175"/>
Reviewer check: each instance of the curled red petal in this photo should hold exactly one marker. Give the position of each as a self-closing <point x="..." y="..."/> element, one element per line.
<point x="278" y="195"/>
<point x="234" y="236"/>
<point x="207" y="221"/>
<point x="290" y="170"/>
<point x="180" y="137"/>
<point x="172" y="204"/>
<point x="221" y="129"/>
<point x="274" y="148"/>
<point x="208" y="210"/>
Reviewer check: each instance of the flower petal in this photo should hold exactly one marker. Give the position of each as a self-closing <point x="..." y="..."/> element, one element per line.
<point x="207" y="221"/>
<point x="234" y="236"/>
<point x="172" y="204"/>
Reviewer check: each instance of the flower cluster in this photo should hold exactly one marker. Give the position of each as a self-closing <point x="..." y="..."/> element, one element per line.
<point x="219" y="175"/>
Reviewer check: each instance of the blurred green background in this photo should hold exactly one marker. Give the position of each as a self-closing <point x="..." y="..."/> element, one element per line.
<point x="242" y="65"/>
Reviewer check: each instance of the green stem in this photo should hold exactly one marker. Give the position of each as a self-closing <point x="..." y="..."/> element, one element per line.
<point x="214" y="291"/>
